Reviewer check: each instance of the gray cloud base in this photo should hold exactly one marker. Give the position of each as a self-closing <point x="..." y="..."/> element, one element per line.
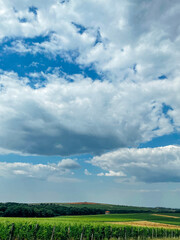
<point x="134" y="48"/>
<point x="84" y="116"/>
<point x="148" y="165"/>
<point x="127" y="43"/>
<point x="52" y="172"/>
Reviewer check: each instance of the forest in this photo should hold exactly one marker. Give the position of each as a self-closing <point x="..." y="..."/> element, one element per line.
<point x="54" y="209"/>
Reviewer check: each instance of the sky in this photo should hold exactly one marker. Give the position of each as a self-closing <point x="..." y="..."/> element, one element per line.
<point x="89" y="101"/>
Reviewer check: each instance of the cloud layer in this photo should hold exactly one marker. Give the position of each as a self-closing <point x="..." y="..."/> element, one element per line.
<point x="65" y="118"/>
<point x="96" y="77"/>
<point x="149" y="165"/>
<point x="135" y="52"/>
<point x="136" y="40"/>
<point x="52" y="172"/>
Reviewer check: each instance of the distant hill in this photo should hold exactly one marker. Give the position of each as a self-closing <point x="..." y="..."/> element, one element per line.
<point x="116" y="208"/>
<point x="73" y="208"/>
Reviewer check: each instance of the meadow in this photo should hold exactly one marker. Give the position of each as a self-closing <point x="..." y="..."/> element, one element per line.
<point x="112" y="226"/>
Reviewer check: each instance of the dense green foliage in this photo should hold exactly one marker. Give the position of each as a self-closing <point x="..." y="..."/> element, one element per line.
<point x="97" y="226"/>
<point x="88" y="227"/>
<point x="124" y="209"/>
<point x="52" y="209"/>
<point x="43" y="210"/>
<point x="74" y="231"/>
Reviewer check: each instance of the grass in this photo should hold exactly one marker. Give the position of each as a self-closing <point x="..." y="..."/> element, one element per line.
<point x="100" y="225"/>
<point x="100" y="219"/>
<point x="123" y="218"/>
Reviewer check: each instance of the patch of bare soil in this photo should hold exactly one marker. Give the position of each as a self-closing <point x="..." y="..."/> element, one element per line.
<point x="161" y="215"/>
<point x="147" y="224"/>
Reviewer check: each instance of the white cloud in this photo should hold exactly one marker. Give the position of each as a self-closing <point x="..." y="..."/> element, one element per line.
<point x="56" y="179"/>
<point x="51" y="172"/>
<point x="68" y="164"/>
<point x="160" y="164"/>
<point x="135" y="47"/>
<point x="65" y="118"/>
<point x="146" y="190"/>
<point x="112" y="174"/>
<point x="100" y="174"/>
<point x="130" y="34"/>
<point x="86" y="172"/>
<point x="129" y="44"/>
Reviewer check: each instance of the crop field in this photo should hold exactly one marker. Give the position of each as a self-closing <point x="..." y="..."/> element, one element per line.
<point x="112" y="226"/>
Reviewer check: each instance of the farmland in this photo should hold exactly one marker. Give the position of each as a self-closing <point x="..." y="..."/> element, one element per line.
<point x="66" y="209"/>
<point x="92" y="227"/>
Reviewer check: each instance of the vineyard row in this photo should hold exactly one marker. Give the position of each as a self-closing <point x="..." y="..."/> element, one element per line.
<point x="80" y="231"/>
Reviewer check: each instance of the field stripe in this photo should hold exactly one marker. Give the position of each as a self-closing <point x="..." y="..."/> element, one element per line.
<point x="161" y="215"/>
<point x="147" y="224"/>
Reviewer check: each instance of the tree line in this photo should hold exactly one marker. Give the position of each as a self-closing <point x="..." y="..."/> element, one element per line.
<point x="43" y="210"/>
<point x="53" y="210"/>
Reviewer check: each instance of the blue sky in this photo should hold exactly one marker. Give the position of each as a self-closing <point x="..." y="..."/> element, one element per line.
<point x="89" y="102"/>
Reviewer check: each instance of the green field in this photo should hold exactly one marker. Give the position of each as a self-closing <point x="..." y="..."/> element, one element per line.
<point x="124" y="218"/>
<point x="87" y="227"/>
<point x="102" y="218"/>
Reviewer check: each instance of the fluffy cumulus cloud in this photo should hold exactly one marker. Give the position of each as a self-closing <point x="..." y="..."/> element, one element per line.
<point x="82" y="116"/>
<point x="86" y="172"/>
<point x="128" y="39"/>
<point x="133" y="46"/>
<point x="52" y="172"/>
<point x="150" y="165"/>
<point x="112" y="174"/>
<point x="94" y="78"/>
